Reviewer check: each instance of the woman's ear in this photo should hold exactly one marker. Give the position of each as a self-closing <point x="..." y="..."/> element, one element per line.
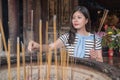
<point x="86" y="21"/>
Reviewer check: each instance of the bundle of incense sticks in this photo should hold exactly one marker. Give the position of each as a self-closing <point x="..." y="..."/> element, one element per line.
<point x="103" y="19"/>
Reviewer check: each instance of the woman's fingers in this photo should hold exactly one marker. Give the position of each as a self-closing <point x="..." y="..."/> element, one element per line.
<point x="93" y="54"/>
<point x="30" y="45"/>
<point x="33" y="46"/>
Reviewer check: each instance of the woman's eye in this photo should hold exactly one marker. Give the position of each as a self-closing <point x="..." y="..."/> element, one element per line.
<point x="76" y="17"/>
<point x="79" y="17"/>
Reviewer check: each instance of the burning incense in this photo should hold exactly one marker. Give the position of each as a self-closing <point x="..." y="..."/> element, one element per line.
<point x="103" y="19"/>
<point x="18" y="59"/>
<point x="8" y="60"/>
<point x="23" y="60"/>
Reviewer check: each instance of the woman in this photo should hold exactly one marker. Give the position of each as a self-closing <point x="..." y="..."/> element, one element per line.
<point x="79" y="42"/>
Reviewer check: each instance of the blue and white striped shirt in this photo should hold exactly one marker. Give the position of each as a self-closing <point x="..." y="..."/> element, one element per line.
<point x="85" y="43"/>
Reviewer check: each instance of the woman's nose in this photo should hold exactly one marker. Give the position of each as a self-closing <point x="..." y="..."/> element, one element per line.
<point x="76" y="20"/>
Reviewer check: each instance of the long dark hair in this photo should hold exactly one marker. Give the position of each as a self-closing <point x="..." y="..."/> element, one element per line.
<point x="72" y="30"/>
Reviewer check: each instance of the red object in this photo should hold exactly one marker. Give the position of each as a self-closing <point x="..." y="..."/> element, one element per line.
<point x="110" y="52"/>
<point x="106" y="27"/>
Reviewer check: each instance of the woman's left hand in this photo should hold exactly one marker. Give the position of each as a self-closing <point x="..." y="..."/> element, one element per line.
<point x="96" y="54"/>
<point x="93" y="54"/>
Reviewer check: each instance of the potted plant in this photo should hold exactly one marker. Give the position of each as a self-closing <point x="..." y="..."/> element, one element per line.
<point x="109" y="40"/>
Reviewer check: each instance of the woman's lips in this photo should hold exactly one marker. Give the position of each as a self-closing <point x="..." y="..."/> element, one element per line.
<point x="76" y="24"/>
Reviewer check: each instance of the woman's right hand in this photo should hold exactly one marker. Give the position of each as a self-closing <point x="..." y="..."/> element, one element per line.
<point x="32" y="45"/>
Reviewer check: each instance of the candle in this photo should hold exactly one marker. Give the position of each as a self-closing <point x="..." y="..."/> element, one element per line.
<point x="8" y="60"/>
<point x="18" y="59"/>
<point x="23" y="60"/>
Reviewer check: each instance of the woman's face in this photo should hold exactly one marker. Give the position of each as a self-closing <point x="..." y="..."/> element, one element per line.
<point x="79" y="20"/>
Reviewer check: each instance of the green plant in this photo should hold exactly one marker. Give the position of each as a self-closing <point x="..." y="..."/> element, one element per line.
<point x="110" y="38"/>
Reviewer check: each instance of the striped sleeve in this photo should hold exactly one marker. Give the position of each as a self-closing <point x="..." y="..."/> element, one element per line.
<point x="64" y="38"/>
<point x="98" y="43"/>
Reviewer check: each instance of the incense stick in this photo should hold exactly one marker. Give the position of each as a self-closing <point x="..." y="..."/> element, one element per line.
<point x="47" y="37"/>
<point x="38" y="61"/>
<point x="32" y="24"/>
<point x="18" y="59"/>
<point x="47" y="33"/>
<point x="49" y="64"/>
<point x="32" y="39"/>
<point x="9" y="63"/>
<point x="64" y="63"/>
<point x="102" y="20"/>
<point x="3" y="36"/>
<point x="55" y="37"/>
<point x="31" y="64"/>
<point x="46" y="43"/>
<point x="40" y="41"/>
<point x="23" y="60"/>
